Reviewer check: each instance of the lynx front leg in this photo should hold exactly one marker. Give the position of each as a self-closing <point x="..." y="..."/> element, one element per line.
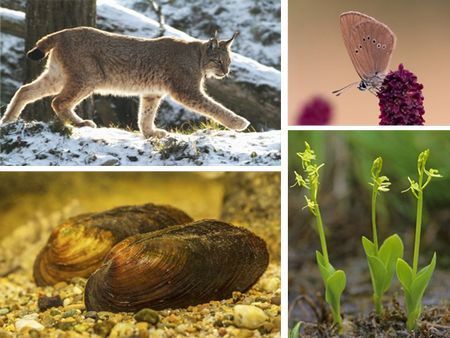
<point x="66" y="101"/>
<point x="148" y="106"/>
<point x="205" y="105"/>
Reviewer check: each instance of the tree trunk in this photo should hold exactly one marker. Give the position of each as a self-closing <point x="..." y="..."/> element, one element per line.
<point x="252" y="200"/>
<point x="44" y="17"/>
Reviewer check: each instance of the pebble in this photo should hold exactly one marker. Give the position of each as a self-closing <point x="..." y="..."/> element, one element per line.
<point x="4" y="311"/>
<point x="249" y="316"/>
<point x="31" y="323"/>
<point x="45" y="302"/>
<point x="142" y="326"/>
<point x="77" y="291"/>
<point x="147" y="315"/>
<point x="64" y="326"/>
<point x="276" y="300"/>
<point x="104" y="328"/>
<point x="91" y="314"/>
<point x="67" y="301"/>
<point x="70" y="313"/>
<point x="60" y="285"/>
<point x="122" y="330"/>
<point x="271" y="284"/>
<point x="79" y="306"/>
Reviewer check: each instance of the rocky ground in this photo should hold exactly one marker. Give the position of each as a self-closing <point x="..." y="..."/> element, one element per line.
<point x="58" y="311"/>
<point x="37" y="143"/>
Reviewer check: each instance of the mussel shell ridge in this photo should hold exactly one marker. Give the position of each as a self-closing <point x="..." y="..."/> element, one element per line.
<point x="72" y="251"/>
<point x="77" y="247"/>
<point x="177" y="267"/>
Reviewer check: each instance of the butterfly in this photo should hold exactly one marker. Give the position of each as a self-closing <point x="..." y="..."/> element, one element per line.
<point x="369" y="44"/>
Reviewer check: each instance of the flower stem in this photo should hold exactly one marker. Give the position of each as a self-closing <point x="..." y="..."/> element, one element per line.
<point x="418" y="225"/>
<point x="377" y="301"/>
<point x="374" y="216"/>
<point x="323" y="241"/>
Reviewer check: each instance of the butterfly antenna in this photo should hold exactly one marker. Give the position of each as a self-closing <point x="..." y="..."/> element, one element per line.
<point x="340" y="91"/>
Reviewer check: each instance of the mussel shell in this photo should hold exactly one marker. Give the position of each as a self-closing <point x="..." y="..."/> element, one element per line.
<point x="76" y="247"/>
<point x="177" y="267"/>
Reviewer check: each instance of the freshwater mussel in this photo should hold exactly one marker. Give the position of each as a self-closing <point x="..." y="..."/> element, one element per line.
<point x="177" y="267"/>
<point x="76" y="247"/>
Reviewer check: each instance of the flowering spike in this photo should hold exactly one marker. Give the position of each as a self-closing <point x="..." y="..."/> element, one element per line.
<point x="401" y="99"/>
<point x="317" y="111"/>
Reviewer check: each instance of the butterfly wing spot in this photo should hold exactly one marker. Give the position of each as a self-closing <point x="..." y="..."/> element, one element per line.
<point x="379" y="45"/>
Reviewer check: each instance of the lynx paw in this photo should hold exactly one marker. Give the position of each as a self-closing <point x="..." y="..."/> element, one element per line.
<point x="158" y="133"/>
<point x="5" y="120"/>
<point x="87" y="123"/>
<point x="238" y="123"/>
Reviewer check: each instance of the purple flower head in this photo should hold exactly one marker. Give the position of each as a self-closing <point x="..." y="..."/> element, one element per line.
<point x="317" y="111"/>
<point x="401" y="99"/>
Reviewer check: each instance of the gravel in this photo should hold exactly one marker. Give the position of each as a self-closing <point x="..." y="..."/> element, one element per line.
<point x="20" y="314"/>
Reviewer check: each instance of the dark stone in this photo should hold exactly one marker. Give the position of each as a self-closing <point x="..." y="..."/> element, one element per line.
<point x="276" y="300"/>
<point x="147" y="315"/>
<point x="91" y="314"/>
<point x="45" y="302"/>
<point x="104" y="328"/>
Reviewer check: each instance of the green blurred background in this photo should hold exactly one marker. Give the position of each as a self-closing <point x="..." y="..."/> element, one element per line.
<point x="345" y="196"/>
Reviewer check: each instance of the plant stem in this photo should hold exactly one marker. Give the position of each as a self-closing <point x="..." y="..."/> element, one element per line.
<point x="321" y="232"/>
<point x="377" y="301"/>
<point x="418" y="225"/>
<point x="374" y="216"/>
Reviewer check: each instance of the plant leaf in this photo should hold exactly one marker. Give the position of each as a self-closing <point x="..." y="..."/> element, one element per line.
<point x="404" y="274"/>
<point x="295" y="331"/>
<point x="369" y="247"/>
<point x="420" y="282"/>
<point x="326" y="269"/>
<point x="378" y="273"/>
<point x="335" y="285"/>
<point x="390" y="251"/>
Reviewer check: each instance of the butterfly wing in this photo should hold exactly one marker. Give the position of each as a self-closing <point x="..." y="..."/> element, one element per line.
<point x="369" y="43"/>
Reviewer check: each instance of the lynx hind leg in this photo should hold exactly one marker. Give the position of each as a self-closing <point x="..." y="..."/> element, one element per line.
<point x="148" y="107"/>
<point x="66" y="101"/>
<point x="205" y="105"/>
<point x="46" y="84"/>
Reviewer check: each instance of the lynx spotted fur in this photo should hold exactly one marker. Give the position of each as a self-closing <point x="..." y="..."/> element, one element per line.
<point x="85" y="60"/>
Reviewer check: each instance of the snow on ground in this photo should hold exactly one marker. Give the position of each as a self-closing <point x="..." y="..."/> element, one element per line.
<point x="37" y="143"/>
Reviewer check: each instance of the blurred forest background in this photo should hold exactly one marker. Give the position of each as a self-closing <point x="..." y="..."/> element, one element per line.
<point x="26" y="21"/>
<point x="345" y="202"/>
<point x="319" y="63"/>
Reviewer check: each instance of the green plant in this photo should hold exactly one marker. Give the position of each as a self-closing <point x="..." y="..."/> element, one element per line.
<point x="333" y="279"/>
<point x="295" y="331"/>
<point x="382" y="259"/>
<point x="414" y="283"/>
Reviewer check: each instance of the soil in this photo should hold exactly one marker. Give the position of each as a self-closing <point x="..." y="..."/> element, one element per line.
<point x="307" y="304"/>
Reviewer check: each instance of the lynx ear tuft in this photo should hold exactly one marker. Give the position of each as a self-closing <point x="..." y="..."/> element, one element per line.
<point x="229" y="42"/>
<point x="213" y="43"/>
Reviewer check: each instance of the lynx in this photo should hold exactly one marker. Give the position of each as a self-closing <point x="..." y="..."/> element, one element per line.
<point x="85" y="60"/>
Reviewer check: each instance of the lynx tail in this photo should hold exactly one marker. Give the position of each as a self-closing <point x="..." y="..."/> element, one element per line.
<point x="35" y="54"/>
